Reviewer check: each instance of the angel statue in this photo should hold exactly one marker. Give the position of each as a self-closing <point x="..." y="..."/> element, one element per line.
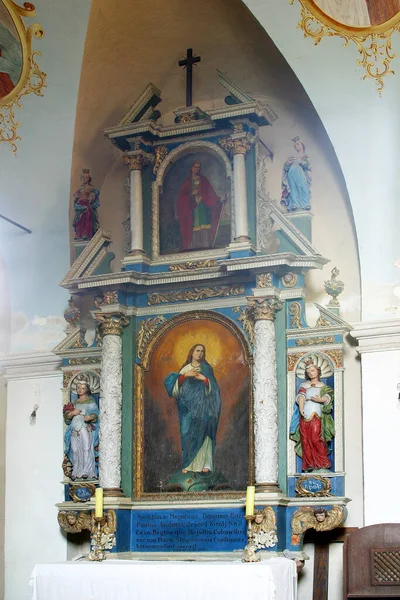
<point x="318" y="518"/>
<point x="312" y="426"/>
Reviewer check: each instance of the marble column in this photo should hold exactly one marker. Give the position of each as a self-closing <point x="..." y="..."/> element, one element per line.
<point x="265" y="394"/>
<point x="136" y="164"/>
<point x="240" y="147"/>
<point x="111" y="403"/>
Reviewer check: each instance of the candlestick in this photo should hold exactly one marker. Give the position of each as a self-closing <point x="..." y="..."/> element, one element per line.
<point x="98" y="511"/>
<point x="250" y="494"/>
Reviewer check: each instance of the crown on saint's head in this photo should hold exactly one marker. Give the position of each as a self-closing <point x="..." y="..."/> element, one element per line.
<point x="296" y="139"/>
<point x="308" y="363"/>
<point x="85" y="171"/>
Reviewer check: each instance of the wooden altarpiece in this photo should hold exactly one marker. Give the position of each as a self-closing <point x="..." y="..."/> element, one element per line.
<point x="212" y="262"/>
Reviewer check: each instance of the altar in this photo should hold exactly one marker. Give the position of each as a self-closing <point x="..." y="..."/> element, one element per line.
<point x="273" y="579"/>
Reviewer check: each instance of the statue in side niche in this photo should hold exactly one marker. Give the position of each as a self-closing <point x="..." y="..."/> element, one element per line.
<point x="312" y="426"/>
<point x="296" y="179"/>
<point x="81" y="438"/>
<point x="86" y="203"/>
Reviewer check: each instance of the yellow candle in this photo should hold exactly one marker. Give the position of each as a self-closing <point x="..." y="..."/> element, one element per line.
<point x="250" y="493"/>
<point x="98" y="510"/>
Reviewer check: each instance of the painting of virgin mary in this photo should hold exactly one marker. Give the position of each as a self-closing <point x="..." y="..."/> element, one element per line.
<point x="196" y="410"/>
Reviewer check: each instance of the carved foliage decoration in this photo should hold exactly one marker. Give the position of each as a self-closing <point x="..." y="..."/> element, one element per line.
<point x="292" y="360"/>
<point x="146" y="331"/>
<point x="194" y="264"/>
<point x="295" y="316"/>
<point x="217" y="291"/>
<point x="313" y="341"/>
<point x="373" y="42"/>
<point x="21" y="74"/>
<point x="246" y="319"/>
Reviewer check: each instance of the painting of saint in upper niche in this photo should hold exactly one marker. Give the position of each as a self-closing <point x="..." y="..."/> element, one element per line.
<point x="359" y="13"/>
<point x="195" y="211"/>
<point x="196" y="411"/>
<point x="10" y="53"/>
<point x="312" y="426"/>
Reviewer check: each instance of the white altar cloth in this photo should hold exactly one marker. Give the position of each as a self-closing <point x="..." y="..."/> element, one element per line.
<point x="273" y="579"/>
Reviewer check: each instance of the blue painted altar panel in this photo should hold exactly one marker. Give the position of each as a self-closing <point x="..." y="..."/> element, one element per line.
<point x="198" y="530"/>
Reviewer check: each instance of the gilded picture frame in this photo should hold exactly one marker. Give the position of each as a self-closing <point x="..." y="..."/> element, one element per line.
<point x="20" y="74"/>
<point x="160" y="348"/>
<point x="373" y="41"/>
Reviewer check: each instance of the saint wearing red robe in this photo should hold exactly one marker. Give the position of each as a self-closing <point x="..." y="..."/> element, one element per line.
<point x="312" y="426"/>
<point x="199" y="211"/>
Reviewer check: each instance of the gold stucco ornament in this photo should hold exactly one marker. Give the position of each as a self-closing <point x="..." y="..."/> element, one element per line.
<point x="20" y="74"/>
<point x="369" y="26"/>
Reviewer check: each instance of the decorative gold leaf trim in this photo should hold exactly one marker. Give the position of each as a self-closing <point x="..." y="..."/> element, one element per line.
<point x="32" y="79"/>
<point x="374" y="44"/>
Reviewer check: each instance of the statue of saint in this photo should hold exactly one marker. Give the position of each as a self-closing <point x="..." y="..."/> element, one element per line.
<point x="86" y="203"/>
<point x="312" y="426"/>
<point x="199" y="211"/>
<point x="199" y="406"/>
<point x="296" y="179"/>
<point x="81" y="437"/>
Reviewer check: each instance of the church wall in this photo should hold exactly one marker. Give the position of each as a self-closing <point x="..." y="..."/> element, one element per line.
<point x="32" y="534"/>
<point x="381" y="419"/>
<point x="3" y="397"/>
<point x="35" y="182"/>
<point x="4" y="347"/>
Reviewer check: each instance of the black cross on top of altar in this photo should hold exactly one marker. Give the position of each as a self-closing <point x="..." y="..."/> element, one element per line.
<point x="188" y="63"/>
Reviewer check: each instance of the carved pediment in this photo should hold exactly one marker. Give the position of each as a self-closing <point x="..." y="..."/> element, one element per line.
<point x="143" y="108"/>
<point x="93" y="260"/>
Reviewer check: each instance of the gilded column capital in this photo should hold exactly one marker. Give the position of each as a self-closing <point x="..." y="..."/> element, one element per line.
<point x="240" y="145"/>
<point x="264" y="309"/>
<point x="237" y="143"/>
<point x="111" y="324"/>
<point x="137" y="161"/>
